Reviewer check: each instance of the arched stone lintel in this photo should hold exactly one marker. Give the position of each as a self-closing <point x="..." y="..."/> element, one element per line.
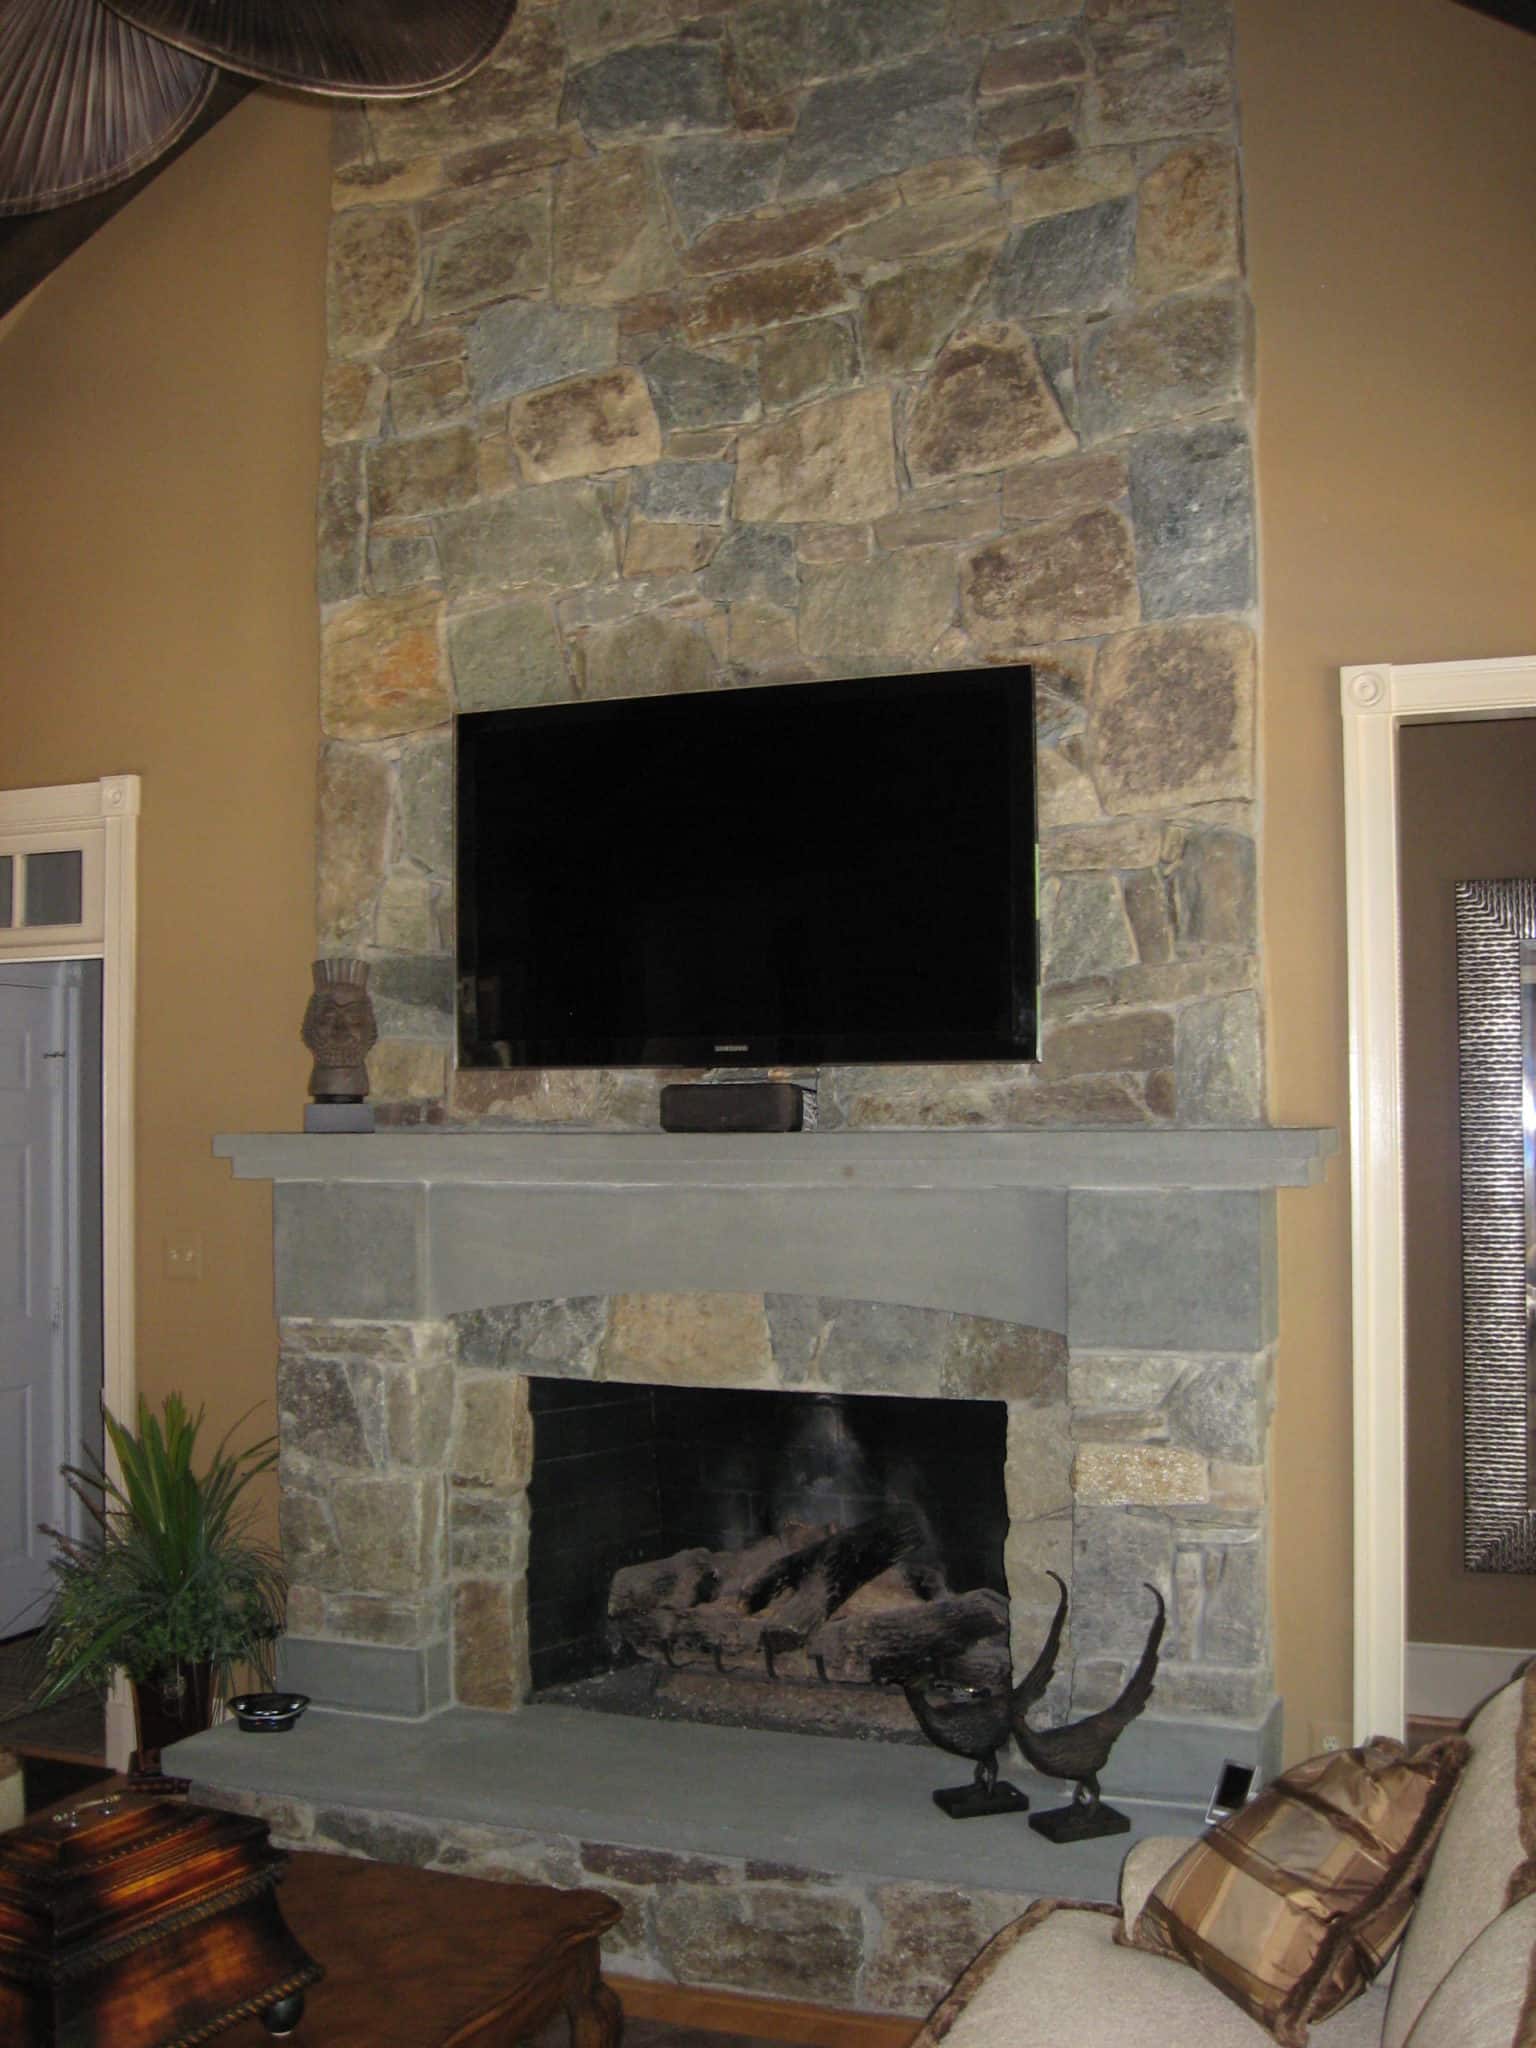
<point x="999" y="1254"/>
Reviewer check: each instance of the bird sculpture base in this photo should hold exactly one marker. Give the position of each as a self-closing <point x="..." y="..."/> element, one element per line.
<point x="973" y="1802"/>
<point x="1079" y="1823"/>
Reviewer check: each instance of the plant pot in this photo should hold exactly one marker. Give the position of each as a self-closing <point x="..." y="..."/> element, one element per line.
<point x="167" y="1708"/>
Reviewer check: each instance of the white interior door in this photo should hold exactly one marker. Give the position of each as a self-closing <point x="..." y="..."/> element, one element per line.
<point x="33" y="1390"/>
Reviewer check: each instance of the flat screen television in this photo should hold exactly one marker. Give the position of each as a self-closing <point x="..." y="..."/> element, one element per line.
<point x="783" y="875"/>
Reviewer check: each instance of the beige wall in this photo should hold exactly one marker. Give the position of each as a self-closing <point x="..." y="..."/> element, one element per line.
<point x="1390" y="159"/>
<point x="159" y="416"/>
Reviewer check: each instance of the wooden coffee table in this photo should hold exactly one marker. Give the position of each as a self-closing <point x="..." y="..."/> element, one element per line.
<point x="421" y="1959"/>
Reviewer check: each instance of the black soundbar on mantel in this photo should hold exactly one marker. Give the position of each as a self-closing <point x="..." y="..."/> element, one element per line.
<point x="732" y="1106"/>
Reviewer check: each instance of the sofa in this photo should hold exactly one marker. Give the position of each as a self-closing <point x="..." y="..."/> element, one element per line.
<point x="1063" y="1975"/>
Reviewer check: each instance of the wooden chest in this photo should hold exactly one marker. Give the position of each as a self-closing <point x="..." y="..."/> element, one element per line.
<point x="137" y="1921"/>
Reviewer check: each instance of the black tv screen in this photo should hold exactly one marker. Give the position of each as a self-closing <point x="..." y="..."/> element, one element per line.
<point x="782" y="875"/>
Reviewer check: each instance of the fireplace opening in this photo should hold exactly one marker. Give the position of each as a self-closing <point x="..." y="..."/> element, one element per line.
<point x="761" y="1558"/>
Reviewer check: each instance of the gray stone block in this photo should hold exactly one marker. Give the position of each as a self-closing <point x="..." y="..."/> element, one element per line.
<point x="709" y="180"/>
<point x="528" y="342"/>
<point x="1176" y="1271"/>
<point x="413" y="995"/>
<point x="691" y="389"/>
<point x="652" y="89"/>
<point x="694" y="491"/>
<point x="1067" y="263"/>
<point x="362" y="1678"/>
<point x="885" y="121"/>
<point x="348" y="1251"/>
<point x="1192" y="503"/>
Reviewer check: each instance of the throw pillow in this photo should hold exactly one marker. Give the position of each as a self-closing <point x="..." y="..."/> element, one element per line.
<point x="1293" y="1905"/>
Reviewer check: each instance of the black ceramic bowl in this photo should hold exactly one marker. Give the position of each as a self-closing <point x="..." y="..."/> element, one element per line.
<point x="268" y="1713"/>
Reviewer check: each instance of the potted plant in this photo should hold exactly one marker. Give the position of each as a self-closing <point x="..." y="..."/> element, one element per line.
<point x="168" y="1585"/>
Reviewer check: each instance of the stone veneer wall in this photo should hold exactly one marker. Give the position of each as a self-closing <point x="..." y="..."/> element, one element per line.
<point x="407" y="1449"/>
<point x="694" y="344"/>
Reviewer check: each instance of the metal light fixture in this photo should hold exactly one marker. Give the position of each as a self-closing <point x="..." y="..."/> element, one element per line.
<point x="92" y="94"/>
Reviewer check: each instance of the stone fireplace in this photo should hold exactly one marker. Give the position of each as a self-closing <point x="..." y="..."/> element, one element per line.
<point x="695" y="344"/>
<point x="1112" y="1291"/>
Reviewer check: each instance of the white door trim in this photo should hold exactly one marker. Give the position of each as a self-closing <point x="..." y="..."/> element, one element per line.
<point x="101" y="817"/>
<point x="1377" y="698"/>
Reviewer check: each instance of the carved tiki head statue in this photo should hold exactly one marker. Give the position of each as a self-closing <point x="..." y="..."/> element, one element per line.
<point x="339" y="1030"/>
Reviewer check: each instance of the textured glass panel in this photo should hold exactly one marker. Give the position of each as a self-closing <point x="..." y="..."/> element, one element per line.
<point x="54" y="887"/>
<point x="7" y="889"/>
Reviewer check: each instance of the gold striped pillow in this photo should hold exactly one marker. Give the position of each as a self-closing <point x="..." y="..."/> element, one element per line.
<point x="1293" y="1905"/>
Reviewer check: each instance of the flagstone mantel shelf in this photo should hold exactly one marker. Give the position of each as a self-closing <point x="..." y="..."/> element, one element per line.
<point x="1249" y="1157"/>
<point x="1075" y="1231"/>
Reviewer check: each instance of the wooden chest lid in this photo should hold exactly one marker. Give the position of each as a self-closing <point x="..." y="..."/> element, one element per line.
<point x="114" y="1867"/>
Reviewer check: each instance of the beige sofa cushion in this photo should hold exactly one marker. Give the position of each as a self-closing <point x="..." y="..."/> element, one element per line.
<point x="1479" y="1850"/>
<point x="1486" y="2001"/>
<point x="1057" y="1979"/>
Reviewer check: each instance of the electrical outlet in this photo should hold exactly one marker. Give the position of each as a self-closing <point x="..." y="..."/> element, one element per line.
<point x="1329" y="1735"/>
<point x="184" y="1256"/>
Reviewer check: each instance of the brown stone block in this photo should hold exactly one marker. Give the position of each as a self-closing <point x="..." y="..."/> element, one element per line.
<point x="924" y="230"/>
<point x="608" y="1860"/>
<point x="967" y="509"/>
<point x="427" y="473"/>
<point x="654" y="654"/>
<point x="771" y="238"/>
<point x="374" y="279"/>
<point x="391" y="1532"/>
<point x="1062" y="580"/>
<point x="667" y="547"/>
<point x="941" y="180"/>
<point x="1088" y="1099"/>
<point x="584" y="426"/>
<point x="381" y="668"/>
<point x="778" y="1941"/>
<point x="352" y="831"/>
<point x="927" y="1937"/>
<point x="611" y="238"/>
<point x="1056" y="490"/>
<point x="1085" y="178"/>
<point x="1180" y="356"/>
<point x="492" y="1430"/>
<point x="540" y="150"/>
<point x="443" y="343"/>
<point x="1188" y="225"/>
<point x="987" y="1360"/>
<point x="352" y="402"/>
<point x="1118" y="844"/>
<point x="891" y="605"/>
<point x="489" y="1647"/>
<point x="1031" y="152"/>
<point x="831" y="463"/>
<point x="407" y="1070"/>
<point x="1125" y="1041"/>
<point x="767" y="297"/>
<point x="818" y="545"/>
<point x="802" y="361"/>
<point x="1139" y="1475"/>
<point x="497" y="249"/>
<point x="1037" y="60"/>
<point x="711" y="1340"/>
<point x="908" y="317"/>
<point x="984" y="404"/>
<point x="1172" y="710"/>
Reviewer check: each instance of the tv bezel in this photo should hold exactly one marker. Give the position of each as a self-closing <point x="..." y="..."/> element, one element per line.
<point x="1012" y="683"/>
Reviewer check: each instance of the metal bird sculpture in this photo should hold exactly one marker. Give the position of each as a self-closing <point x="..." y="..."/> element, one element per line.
<point x="1081" y="1749"/>
<point x="966" y="1720"/>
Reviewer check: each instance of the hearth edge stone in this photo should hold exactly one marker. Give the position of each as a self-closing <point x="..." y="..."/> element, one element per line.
<point x="850" y="1830"/>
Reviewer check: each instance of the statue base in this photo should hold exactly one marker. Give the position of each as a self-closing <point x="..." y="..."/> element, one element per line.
<point x="338" y="1116"/>
<point x="1080" y="1823"/>
<point x="971" y="1802"/>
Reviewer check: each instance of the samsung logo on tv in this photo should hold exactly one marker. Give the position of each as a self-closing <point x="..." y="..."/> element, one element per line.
<point x="729" y="1047"/>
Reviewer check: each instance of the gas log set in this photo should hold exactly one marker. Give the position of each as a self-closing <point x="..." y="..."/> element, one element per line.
<point x="870" y="1606"/>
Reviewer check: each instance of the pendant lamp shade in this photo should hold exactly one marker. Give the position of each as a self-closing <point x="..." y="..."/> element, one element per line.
<point x="376" y="49"/>
<point x="86" y="100"/>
